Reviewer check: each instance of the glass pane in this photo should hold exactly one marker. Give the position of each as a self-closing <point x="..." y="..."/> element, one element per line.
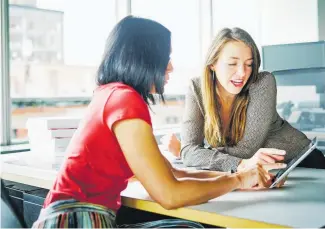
<point x="236" y="13"/>
<point x="300" y="101"/>
<point x="301" y="88"/>
<point x="290" y="21"/>
<point x="181" y="17"/>
<point x="55" y="48"/>
<point x="304" y="108"/>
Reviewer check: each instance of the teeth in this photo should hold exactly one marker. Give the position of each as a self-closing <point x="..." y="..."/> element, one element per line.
<point x="237" y="81"/>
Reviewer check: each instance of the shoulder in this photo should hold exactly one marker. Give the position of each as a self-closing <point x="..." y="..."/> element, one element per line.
<point x="195" y="85"/>
<point x="120" y="92"/>
<point x="194" y="93"/>
<point x="264" y="80"/>
<point x="124" y="102"/>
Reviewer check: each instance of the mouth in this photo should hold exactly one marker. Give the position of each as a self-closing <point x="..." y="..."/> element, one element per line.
<point x="237" y="83"/>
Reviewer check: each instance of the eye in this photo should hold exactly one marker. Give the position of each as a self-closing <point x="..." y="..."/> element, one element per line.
<point x="232" y="64"/>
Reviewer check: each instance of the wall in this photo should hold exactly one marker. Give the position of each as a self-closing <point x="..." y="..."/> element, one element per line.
<point x="289" y="21"/>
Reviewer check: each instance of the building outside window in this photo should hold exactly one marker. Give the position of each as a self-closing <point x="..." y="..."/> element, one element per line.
<point x="55" y="50"/>
<point x="56" y="46"/>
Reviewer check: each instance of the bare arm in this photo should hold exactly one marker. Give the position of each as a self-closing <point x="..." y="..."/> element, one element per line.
<point x="199" y="174"/>
<point x="149" y="166"/>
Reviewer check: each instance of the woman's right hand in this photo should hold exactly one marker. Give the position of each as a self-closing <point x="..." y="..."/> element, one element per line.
<point x="257" y="176"/>
<point x="263" y="156"/>
<point x="171" y="143"/>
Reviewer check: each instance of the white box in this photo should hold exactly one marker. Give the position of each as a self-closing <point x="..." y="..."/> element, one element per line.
<point x="53" y="123"/>
<point x="58" y="145"/>
<point x="43" y="141"/>
<point x="51" y="133"/>
<point x="45" y="160"/>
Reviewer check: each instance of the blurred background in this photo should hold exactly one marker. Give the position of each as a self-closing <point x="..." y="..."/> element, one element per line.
<point x="56" y="46"/>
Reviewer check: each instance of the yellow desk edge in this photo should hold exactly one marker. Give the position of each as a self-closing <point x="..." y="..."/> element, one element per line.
<point x="195" y="215"/>
<point x="184" y="213"/>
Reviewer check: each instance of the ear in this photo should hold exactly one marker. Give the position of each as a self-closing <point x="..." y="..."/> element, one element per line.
<point x="211" y="67"/>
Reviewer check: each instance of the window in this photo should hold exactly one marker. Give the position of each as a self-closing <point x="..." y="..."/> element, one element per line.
<point x="300" y="97"/>
<point x="181" y="17"/>
<point x="234" y="13"/>
<point x="54" y="44"/>
<point x="299" y="100"/>
<point x="290" y="21"/>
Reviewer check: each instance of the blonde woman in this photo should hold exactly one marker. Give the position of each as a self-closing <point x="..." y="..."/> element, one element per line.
<point x="230" y="113"/>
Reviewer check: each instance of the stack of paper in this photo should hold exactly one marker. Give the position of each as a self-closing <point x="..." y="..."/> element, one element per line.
<point x="50" y="136"/>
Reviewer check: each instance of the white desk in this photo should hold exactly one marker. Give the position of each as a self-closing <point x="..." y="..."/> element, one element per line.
<point x="301" y="203"/>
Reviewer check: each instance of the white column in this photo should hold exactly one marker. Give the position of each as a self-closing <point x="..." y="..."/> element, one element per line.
<point x="5" y="101"/>
<point x="205" y="26"/>
<point x="321" y="19"/>
<point x="123" y="8"/>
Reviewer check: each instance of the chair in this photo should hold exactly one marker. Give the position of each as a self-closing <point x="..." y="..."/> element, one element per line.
<point x="10" y="216"/>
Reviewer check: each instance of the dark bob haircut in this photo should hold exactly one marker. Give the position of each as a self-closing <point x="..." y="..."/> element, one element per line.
<point x="137" y="54"/>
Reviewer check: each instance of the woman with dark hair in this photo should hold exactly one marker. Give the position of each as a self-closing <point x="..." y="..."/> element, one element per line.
<point x="230" y="113"/>
<point x="115" y="141"/>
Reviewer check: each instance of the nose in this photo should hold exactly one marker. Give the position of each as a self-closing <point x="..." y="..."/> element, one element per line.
<point x="166" y="77"/>
<point x="241" y="70"/>
<point x="170" y="67"/>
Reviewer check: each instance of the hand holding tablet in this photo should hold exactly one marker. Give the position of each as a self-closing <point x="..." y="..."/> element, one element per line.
<point x="294" y="162"/>
<point x="257" y="176"/>
<point x="267" y="158"/>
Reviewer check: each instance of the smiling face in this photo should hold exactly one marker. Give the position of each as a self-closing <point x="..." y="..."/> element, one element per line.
<point x="233" y="68"/>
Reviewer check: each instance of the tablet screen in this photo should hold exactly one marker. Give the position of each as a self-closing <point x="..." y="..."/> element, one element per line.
<point x="294" y="162"/>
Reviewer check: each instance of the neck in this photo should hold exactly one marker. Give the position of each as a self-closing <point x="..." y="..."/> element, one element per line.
<point x="226" y="98"/>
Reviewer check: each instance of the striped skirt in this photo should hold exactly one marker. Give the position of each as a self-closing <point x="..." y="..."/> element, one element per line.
<point x="74" y="214"/>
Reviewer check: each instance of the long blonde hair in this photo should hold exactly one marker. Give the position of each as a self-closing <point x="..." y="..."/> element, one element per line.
<point x="213" y="131"/>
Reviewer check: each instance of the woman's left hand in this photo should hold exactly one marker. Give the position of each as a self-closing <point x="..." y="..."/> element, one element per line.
<point x="269" y="182"/>
<point x="281" y="183"/>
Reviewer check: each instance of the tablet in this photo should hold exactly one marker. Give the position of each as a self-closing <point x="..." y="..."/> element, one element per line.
<point x="294" y="162"/>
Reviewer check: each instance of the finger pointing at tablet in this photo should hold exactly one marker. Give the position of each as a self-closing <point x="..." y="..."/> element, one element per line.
<point x="263" y="156"/>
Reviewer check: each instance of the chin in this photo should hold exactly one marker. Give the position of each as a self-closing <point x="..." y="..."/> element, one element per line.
<point x="155" y="92"/>
<point x="152" y="91"/>
<point x="234" y="92"/>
